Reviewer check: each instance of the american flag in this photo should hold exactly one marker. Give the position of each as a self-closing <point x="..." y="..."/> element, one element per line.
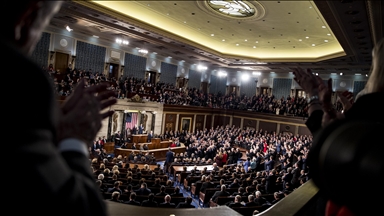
<point x="130" y="120"/>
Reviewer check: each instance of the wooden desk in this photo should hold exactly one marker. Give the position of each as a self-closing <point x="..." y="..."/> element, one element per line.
<point x="158" y="153"/>
<point x="109" y="147"/>
<point x="162" y="144"/>
<point x="139" y="138"/>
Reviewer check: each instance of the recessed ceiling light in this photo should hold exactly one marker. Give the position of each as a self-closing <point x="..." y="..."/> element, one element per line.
<point x="212" y="35"/>
<point x="323" y="27"/>
<point x="317" y="74"/>
<point x="169" y="56"/>
<point x="254" y="46"/>
<point x="148" y="5"/>
<point x="300" y="40"/>
<point x="257" y="41"/>
<point x="313" y="44"/>
<point x="223" y="40"/>
<point x="167" y="14"/>
<point x="185" y="21"/>
<point x="245" y="40"/>
<point x="307" y="37"/>
<point x="325" y="41"/>
<point x="341" y="74"/>
<point x="366" y="75"/>
<point x="329" y="34"/>
<point x="68" y="28"/>
<point x="237" y="44"/>
<point x="310" y="6"/>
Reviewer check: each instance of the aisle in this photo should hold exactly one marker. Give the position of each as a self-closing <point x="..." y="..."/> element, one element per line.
<point x="186" y="193"/>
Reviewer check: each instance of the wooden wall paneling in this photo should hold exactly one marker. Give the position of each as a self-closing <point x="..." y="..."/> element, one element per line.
<point x="249" y="123"/>
<point x="267" y="126"/>
<point x="208" y="122"/>
<point x="170" y="122"/>
<point x="304" y="131"/>
<point x="287" y="128"/>
<point x="217" y="121"/>
<point x="199" y="122"/>
<point x="226" y="120"/>
<point x="236" y="121"/>
<point x="186" y="120"/>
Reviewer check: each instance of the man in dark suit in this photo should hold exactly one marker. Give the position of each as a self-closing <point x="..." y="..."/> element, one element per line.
<point x="236" y="202"/>
<point x="58" y="136"/>
<point x="176" y="192"/>
<point x="150" y="136"/>
<point x="116" y="187"/>
<point x="269" y="163"/>
<point x="168" y="159"/>
<point x="150" y="202"/>
<point x="118" y="138"/>
<point x="141" y="129"/>
<point x="222" y="192"/>
<point x="162" y="191"/>
<point x="95" y="148"/>
<point x="186" y="204"/>
<point x="167" y="203"/>
<point x="143" y="190"/>
<point x="132" y="200"/>
<point x="251" y="201"/>
<point x="206" y="184"/>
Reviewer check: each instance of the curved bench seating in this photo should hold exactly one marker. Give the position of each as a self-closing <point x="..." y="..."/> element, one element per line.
<point x="120" y="209"/>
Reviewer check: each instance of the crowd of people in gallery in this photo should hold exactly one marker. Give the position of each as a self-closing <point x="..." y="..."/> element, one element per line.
<point x="169" y="94"/>
<point x="275" y="165"/>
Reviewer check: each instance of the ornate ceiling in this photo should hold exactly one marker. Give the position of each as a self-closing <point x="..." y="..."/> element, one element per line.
<point x="265" y="36"/>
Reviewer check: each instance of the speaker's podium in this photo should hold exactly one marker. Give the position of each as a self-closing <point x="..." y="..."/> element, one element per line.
<point x="155" y="141"/>
<point x="139" y="138"/>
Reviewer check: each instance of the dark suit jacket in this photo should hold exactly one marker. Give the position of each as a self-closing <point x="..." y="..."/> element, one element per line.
<point x="184" y="205"/>
<point x="248" y="204"/>
<point x="64" y="177"/>
<point x="219" y="193"/>
<point x="150" y="136"/>
<point x="169" y="157"/>
<point x="148" y="203"/>
<point x="133" y="202"/>
<point x="143" y="191"/>
<point x="176" y="195"/>
<point x="206" y="185"/>
<point x="233" y="204"/>
<point x="167" y="205"/>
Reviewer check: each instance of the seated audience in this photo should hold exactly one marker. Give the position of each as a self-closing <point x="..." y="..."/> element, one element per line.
<point x="186" y="204"/>
<point x="167" y="203"/>
<point x="150" y="202"/>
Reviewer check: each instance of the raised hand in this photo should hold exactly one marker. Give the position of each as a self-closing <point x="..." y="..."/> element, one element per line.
<point x="81" y="112"/>
<point x="308" y="82"/>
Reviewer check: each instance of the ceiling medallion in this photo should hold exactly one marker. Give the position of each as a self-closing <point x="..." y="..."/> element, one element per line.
<point x="244" y="10"/>
<point x="233" y="8"/>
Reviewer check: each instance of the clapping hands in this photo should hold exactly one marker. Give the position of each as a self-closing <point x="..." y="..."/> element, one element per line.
<point x="81" y="112"/>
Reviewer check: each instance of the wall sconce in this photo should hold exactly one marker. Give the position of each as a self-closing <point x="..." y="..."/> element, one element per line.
<point x="52" y="53"/>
